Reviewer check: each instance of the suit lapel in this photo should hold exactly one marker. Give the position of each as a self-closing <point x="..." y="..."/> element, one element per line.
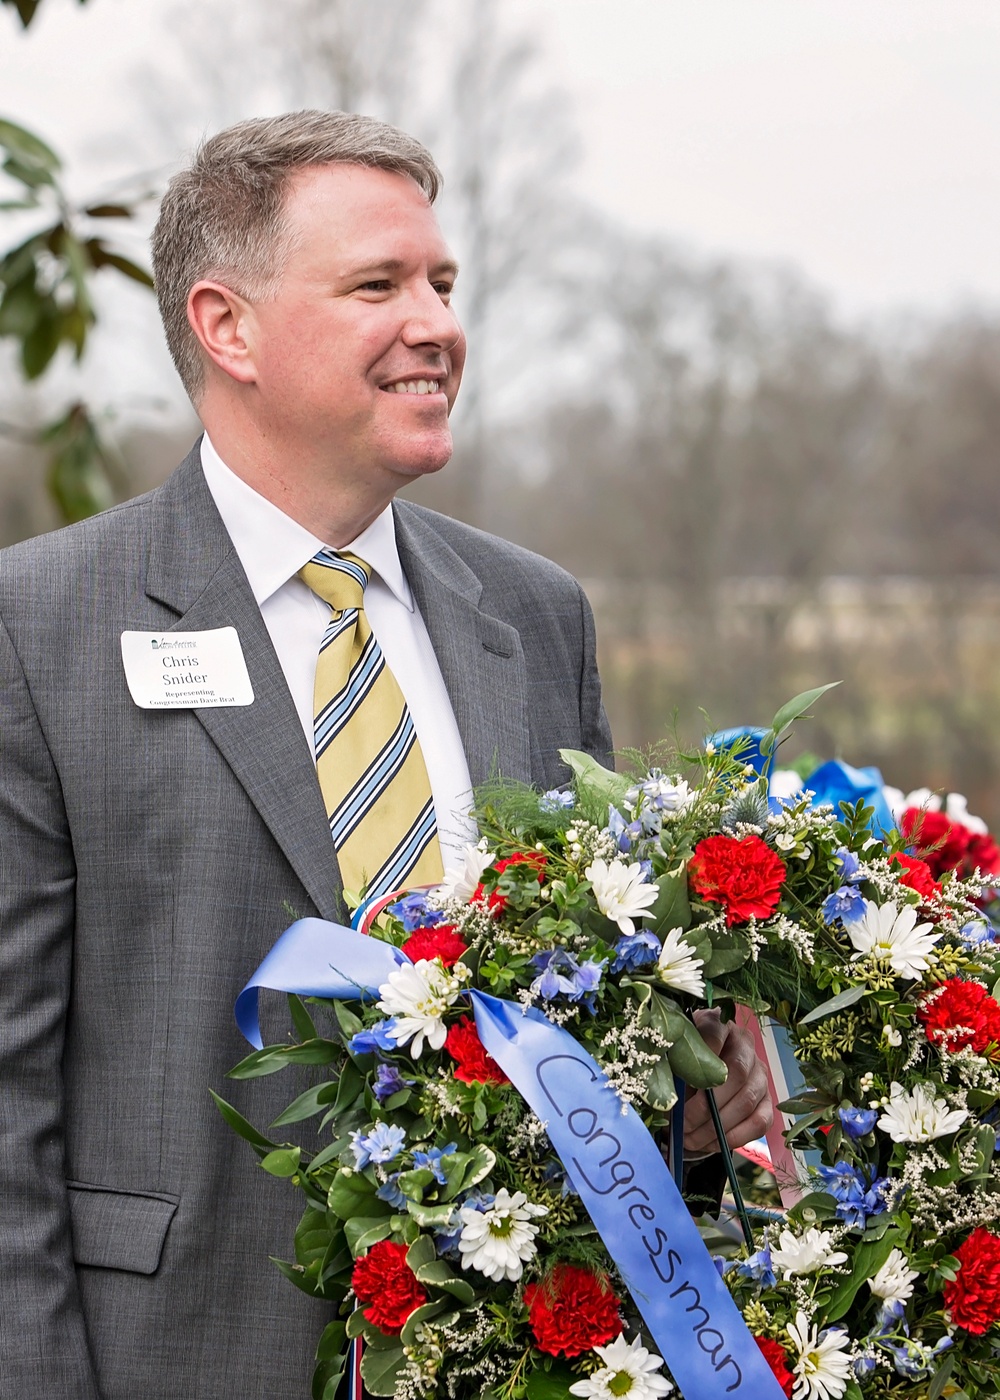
<point x="480" y="656"/>
<point x="195" y="571"/>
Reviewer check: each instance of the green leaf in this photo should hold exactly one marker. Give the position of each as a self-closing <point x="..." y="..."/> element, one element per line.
<point x="331" y="1355"/>
<point x="295" y="1273"/>
<point x="940" y="1378"/>
<point x="729" y="950"/>
<point x="438" y="1275"/>
<point x="283" y="1161"/>
<point x="672" y="908"/>
<point x="307" y="1104"/>
<point x="351" y="1194"/>
<point x="276" y="1057"/>
<point x="365" y="1230"/>
<point x="550" y="1385"/>
<point x="380" y="1369"/>
<point x="31" y="149"/>
<point x="418" y="1317"/>
<point x="595" y="777"/>
<point x="101" y="256"/>
<point x="41" y="343"/>
<point x="837" y="1003"/>
<point x="301" y="1020"/>
<point x="796" y="708"/>
<point x="109" y="211"/>
<point x="869" y="1257"/>
<point x="661" y="1091"/>
<point x="421" y="1252"/>
<point x="468" y="1170"/>
<point x="694" y="1062"/>
<point x="348" y="1022"/>
<point x="240" y="1125"/>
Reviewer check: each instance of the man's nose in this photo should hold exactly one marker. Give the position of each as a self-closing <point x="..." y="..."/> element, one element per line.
<point x="430" y="321"/>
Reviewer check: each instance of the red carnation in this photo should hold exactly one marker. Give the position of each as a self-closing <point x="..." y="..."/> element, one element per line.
<point x="441" y="942"/>
<point x="973" y="1298"/>
<point x="777" y="1358"/>
<point x="388" y="1287"/>
<point x="497" y="903"/>
<point x="942" y="843"/>
<point x="475" y="1066"/>
<point x="572" y="1311"/>
<point x="917" y="875"/>
<point x="744" y="876"/>
<point x="983" y="854"/>
<point x="958" y="1014"/>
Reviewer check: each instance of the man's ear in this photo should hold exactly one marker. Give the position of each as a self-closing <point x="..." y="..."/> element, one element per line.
<point x="222" y="321"/>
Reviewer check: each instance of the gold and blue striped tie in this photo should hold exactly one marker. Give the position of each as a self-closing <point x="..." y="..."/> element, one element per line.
<point x="371" y="770"/>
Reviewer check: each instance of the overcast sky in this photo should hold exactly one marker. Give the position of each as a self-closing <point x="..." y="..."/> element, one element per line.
<point x="858" y="139"/>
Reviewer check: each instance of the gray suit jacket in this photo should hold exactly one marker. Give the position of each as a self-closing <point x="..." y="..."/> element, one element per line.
<point x="148" y="860"/>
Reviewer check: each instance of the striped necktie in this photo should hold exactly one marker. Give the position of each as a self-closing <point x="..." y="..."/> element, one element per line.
<point x="371" y="771"/>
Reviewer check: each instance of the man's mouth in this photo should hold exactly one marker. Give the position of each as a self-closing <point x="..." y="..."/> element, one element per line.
<point x="412" y="386"/>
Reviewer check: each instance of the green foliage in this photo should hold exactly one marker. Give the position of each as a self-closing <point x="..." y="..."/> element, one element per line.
<point x="46" y="302"/>
<point x="27" y="9"/>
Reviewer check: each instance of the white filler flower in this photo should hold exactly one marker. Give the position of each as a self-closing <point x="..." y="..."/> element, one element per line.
<point x="622" y="891"/>
<point x="804" y="1254"/>
<point x="894" y="1281"/>
<point x="892" y="935"/>
<point x="917" y="1116"/>
<point x="629" y="1373"/>
<point x="680" y="966"/>
<point x="461" y="881"/>
<point x="418" y="994"/>
<point x="500" y="1240"/>
<point x="824" y="1366"/>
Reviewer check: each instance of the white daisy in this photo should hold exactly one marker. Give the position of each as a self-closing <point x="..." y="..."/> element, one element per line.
<point x="622" y="891"/>
<point x="803" y="1254"/>
<point x="461" y="881"/>
<point x="892" y="935"/>
<point x="894" y="1281"/>
<point x="680" y="966"/>
<point x="417" y="995"/>
<point x="917" y="1116"/>
<point x="500" y="1240"/>
<point x="824" y="1366"/>
<point x="629" y="1373"/>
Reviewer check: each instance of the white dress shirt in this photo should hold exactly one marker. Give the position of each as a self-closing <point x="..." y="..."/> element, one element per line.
<point x="272" y="547"/>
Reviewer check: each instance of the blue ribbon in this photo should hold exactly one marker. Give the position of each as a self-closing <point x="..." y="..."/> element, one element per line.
<point x="837" y="782"/>
<point x="613" y="1161"/>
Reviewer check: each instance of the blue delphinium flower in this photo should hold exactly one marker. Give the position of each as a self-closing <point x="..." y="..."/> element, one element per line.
<point x="389" y="1081"/>
<point x="976" y="933"/>
<point x="856" y="1122"/>
<point x="561" y="974"/>
<point x="846" y="904"/>
<point x="381" y="1145"/>
<point x="416" y="911"/>
<point x="850" y="866"/>
<point x="856" y="1199"/>
<point x="618" y="828"/>
<point x="912" y="1358"/>
<point x="390" y="1193"/>
<point x="557" y="800"/>
<point x="377" y="1037"/>
<point x="758" y="1267"/>
<point x="635" y="950"/>
<point x="432" y="1159"/>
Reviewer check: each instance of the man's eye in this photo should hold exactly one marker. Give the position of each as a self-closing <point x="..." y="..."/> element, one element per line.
<point x="381" y="285"/>
<point x="443" y="289"/>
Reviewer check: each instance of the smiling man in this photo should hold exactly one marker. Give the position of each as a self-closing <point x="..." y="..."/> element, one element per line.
<point x="221" y="705"/>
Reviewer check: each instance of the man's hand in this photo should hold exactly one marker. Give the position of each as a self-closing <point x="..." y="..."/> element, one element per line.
<point x="743" y="1102"/>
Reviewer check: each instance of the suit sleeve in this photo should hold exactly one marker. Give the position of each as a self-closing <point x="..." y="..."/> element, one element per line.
<point x="43" y="1342"/>
<point x="595" y="730"/>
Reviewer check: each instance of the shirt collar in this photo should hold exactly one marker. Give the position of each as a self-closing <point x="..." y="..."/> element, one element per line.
<point x="273" y="547"/>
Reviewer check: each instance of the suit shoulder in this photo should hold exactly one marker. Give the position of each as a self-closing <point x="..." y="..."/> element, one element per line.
<point x="478" y="548"/>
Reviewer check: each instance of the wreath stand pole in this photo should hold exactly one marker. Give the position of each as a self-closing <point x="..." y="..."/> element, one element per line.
<point x="730" y="1166"/>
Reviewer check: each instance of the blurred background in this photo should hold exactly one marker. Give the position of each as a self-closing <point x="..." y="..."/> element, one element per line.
<point x="732" y="290"/>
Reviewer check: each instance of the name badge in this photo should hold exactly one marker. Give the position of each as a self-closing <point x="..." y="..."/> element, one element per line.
<point x="186" y="670"/>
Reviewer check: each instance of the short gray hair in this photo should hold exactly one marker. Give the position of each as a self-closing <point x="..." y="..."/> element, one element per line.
<point x="223" y="218"/>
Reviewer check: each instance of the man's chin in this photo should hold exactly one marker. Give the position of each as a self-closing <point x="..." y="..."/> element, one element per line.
<point x="424" y="459"/>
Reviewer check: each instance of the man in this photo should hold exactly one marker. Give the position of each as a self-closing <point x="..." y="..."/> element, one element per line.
<point x="159" y="827"/>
